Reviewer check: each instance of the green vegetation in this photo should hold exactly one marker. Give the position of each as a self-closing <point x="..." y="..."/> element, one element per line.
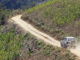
<point x="17" y="4"/>
<point x="10" y="41"/>
<point x="39" y="6"/>
<point x="41" y="51"/>
<point x="4" y="15"/>
<point x="58" y="18"/>
<point x="10" y="44"/>
<point x="15" y="46"/>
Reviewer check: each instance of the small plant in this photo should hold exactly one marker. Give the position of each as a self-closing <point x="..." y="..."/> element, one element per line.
<point x="39" y="45"/>
<point x="30" y="51"/>
<point x="47" y="49"/>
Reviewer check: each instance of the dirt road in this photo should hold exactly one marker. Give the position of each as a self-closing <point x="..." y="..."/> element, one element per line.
<point x="46" y="38"/>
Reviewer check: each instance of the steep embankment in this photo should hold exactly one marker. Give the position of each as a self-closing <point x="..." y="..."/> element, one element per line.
<point x="46" y="38"/>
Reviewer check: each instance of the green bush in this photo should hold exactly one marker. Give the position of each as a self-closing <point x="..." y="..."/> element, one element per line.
<point x="10" y="44"/>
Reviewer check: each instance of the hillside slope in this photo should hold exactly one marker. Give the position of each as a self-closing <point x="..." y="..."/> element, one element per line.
<point x="34" y="48"/>
<point x="58" y="18"/>
<point x="17" y="44"/>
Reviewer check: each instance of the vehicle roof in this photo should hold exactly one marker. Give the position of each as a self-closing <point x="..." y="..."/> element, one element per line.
<point x="69" y="37"/>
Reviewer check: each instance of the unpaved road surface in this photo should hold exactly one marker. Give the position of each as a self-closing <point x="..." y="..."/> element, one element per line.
<point x="46" y="38"/>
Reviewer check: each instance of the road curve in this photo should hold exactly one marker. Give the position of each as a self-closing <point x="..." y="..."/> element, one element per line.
<point x="46" y="38"/>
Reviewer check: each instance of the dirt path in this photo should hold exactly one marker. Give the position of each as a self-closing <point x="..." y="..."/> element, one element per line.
<point x="46" y="38"/>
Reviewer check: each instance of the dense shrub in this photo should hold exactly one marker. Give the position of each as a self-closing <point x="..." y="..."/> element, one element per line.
<point x="4" y="15"/>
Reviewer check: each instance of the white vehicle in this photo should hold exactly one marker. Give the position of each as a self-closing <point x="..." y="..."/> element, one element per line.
<point x="68" y="42"/>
